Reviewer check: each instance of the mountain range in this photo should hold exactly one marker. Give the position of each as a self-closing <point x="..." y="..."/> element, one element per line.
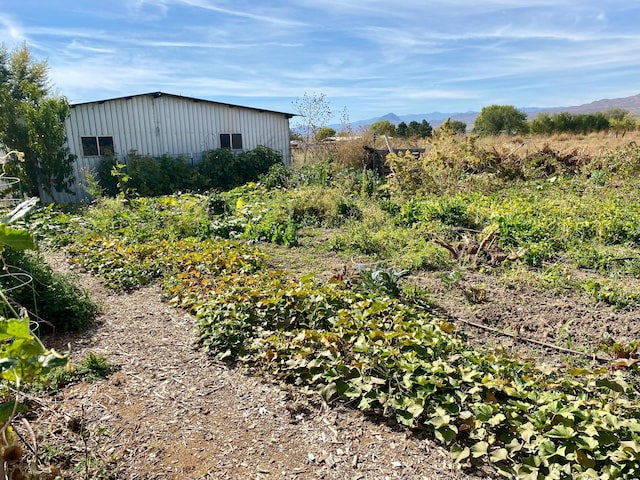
<point x="436" y="118"/>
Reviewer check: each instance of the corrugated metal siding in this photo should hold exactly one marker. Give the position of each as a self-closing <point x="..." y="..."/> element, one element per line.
<point x="166" y="124"/>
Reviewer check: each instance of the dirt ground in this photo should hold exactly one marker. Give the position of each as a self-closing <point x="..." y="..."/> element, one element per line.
<point x="171" y="412"/>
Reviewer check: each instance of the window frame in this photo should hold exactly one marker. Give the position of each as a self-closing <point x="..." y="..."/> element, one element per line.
<point x="97" y="145"/>
<point x="233" y="141"/>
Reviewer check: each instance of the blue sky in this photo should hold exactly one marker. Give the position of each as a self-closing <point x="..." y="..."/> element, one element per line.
<point x="368" y="57"/>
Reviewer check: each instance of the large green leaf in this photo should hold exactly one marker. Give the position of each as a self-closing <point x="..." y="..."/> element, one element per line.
<point x="16" y="239"/>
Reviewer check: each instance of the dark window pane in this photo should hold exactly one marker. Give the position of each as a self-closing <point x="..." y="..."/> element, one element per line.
<point x="236" y="141"/>
<point x="106" y="145"/>
<point x="225" y="140"/>
<point x="89" y="147"/>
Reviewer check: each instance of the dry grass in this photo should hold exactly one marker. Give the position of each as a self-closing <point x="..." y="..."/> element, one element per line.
<point x="350" y="152"/>
<point x="589" y="144"/>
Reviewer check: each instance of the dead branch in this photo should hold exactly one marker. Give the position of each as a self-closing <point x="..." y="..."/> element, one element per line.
<point x="483" y="245"/>
<point x="447" y="245"/>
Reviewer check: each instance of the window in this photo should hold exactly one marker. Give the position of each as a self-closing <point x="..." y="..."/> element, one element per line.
<point x="94" y="146"/>
<point x="232" y="141"/>
<point x="105" y="144"/>
<point x="89" y="147"/>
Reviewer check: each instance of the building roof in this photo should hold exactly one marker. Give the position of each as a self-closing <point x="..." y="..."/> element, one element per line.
<point x="191" y="99"/>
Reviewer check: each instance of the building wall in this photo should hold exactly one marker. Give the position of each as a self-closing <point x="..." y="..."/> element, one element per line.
<point x="158" y="124"/>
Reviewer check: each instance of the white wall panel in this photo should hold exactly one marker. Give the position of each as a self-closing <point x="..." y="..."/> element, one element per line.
<point x="161" y="124"/>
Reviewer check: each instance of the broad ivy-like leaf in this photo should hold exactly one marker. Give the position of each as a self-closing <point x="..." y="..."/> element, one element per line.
<point x="361" y="345"/>
<point x="16" y="239"/>
<point x="584" y="460"/>
<point x="617" y="386"/>
<point x="7" y="364"/>
<point x="499" y="455"/>
<point x="19" y="329"/>
<point x="547" y="449"/>
<point x="560" y="431"/>
<point x="587" y="443"/>
<point x="53" y="359"/>
<point x="405" y="418"/>
<point x="479" y="449"/>
<point x="333" y="389"/>
<point x="446" y="434"/>
<point x="440" y="420"/>
<point x="484" y="412"/>
<point x="458" y="453"/>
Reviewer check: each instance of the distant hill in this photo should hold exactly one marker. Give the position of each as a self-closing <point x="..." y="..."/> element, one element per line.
<point x="436" y="118"/>
<point x="628" y="103"/>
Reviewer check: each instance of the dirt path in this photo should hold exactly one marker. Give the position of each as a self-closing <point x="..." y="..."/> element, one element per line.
<point x="173" y="413"/>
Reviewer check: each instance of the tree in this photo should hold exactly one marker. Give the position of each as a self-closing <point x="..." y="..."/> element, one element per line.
<point x="542" y="124"/>
<point x="402" y="130"/>
<point x="425" y="130"/>
<point x="458" y="126"/>
<point x="620" y="120"/>
<point x="413" y="129"/>
<point x="383" y="127"/>
<point x="32" y="121"/>
<point x="496" y="119"/>
<point x="316" y="111"/>
<point x="325" y="132"/>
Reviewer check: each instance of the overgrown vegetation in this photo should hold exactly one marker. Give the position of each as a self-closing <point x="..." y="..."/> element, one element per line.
<point x="220" y="169"/>
<point x="23" y="357"/>
<point x="53" y="300"/>
<point x="563" y="221"/>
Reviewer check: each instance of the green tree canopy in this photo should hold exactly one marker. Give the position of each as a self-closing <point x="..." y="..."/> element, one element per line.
<point x="325" y="132"/>
<point x="425" y="130"/>
<point x="620" y="120"/>
<point x="402" y="130"/>
<point x="496" y="119"/>
<point x="565" y="122"/>
<point x="383" y="127"/>
<point x="458" y="126"/>
<point x="413" y="129"/>
<point x="32" y="121"/>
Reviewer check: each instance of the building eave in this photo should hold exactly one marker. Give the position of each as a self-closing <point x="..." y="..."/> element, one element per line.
<point x="181" y="97"/>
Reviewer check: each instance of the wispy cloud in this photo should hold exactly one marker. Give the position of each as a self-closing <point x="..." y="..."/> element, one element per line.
<point x="10" y="29"/>
<point x="440" y="55"/>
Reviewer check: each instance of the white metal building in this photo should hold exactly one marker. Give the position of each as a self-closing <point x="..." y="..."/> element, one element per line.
<point x="160" y="123"/>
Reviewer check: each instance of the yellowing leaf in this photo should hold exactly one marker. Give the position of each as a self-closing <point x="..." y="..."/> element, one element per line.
<point x="447" y="327"/>
<point x="499" y="455"/>
<point x="479" y="449"/>
<point x="458" y="454"/>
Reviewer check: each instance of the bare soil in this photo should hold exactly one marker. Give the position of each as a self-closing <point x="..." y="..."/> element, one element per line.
<point x="171" y="412"/>
<point x="552" y="328"/>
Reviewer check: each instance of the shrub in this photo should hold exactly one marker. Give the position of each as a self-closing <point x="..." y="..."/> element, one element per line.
<point x="106" y="180"/>
<point x="224" y="169"/>
<point x="151" y="177"/>
<point x="278" y="176"/>
<point x="221" y="169"/>
<point x="621" y="162"/>
<point x="52" y="298"/>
